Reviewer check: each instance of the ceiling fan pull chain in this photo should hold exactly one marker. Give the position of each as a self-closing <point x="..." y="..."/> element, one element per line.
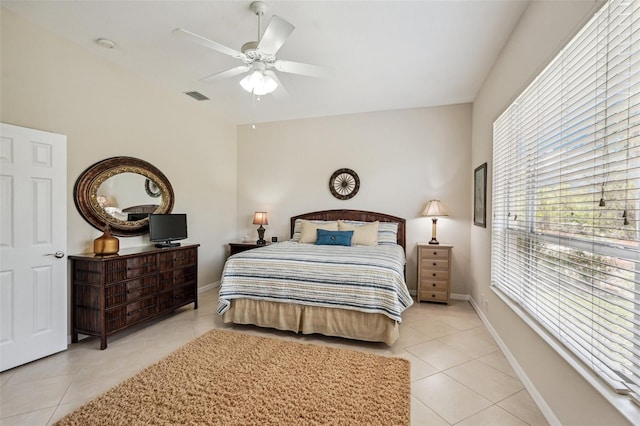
<point x="253" y="110"/>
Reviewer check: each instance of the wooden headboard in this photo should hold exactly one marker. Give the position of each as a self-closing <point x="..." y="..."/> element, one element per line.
<point x="360" y="215"/>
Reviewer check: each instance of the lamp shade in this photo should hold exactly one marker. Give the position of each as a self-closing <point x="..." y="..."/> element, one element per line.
<point x="435" y="208"/>
<point x="260" y="218"/>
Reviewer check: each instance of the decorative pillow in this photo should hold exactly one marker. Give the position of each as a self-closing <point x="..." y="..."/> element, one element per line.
<point x="309" y="231"/>
<point x="388" y="233"/>
<point x="363" y="235"/>
<point x="297" y="227"/>
<point x="334" y="238"/>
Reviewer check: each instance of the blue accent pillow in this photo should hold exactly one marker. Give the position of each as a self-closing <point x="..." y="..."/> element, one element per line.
<point x="334" y="238"/>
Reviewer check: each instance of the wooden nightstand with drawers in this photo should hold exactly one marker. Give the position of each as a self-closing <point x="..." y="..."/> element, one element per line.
<point x="434" y="272"/>
<point x="240" y="247"/>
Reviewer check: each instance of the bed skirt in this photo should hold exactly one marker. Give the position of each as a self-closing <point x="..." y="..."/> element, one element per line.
<point x="313" y="319"/>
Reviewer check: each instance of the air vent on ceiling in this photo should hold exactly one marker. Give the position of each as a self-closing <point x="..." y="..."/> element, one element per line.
<point x="197" y="96"/>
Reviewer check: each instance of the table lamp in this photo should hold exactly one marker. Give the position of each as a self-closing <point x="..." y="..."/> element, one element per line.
<point x="434" y="209"/>
<point x="260" y="218"/>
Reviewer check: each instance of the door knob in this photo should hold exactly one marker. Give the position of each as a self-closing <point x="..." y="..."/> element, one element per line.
<point x="59" y="254"/>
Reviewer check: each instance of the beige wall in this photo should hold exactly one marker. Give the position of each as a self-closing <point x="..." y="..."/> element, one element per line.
<point x="50" y="84"/>
<point x="403" y="158"/>
<point x="543" y="30"/>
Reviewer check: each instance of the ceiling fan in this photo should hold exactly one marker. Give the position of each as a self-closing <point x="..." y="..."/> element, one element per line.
<point x="259" y="56"/>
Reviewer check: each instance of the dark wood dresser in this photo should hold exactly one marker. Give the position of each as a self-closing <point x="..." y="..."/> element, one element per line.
<point x="112" y="293"/>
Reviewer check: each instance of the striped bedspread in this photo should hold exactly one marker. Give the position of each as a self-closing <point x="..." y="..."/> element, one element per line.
<point x="362" y="278"/>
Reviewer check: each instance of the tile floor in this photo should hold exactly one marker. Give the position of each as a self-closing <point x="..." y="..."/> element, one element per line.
<point x="458" y="374"/>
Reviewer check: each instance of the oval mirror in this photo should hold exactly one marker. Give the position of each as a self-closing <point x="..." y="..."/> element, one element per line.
<point x="122" y="192"/>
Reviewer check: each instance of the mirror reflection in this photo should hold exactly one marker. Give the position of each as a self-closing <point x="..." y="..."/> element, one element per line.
<point x="128" y="196"/>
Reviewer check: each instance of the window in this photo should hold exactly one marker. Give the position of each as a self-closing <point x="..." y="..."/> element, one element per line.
<point x="566" y="198"/>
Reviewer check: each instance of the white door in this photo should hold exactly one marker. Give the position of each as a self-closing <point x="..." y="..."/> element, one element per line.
<point x="33" y="243"/>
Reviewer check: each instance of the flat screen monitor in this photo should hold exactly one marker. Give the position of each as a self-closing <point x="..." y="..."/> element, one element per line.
<point x="165" y="229"/>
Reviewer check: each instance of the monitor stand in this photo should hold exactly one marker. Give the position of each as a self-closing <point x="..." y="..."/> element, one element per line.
<point x="167" y="245"/>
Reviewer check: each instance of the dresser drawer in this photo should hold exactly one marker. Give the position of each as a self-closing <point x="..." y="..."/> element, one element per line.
<point x="142" y="265"/>
<point x="171" y="299"/>
<point x="434" y="274"/>
<point x="434" y="296"/>
<point x="434" y="264"/>
<point x="178" y="277"/>
<point x="141" y="309"/>
<point x="122" y="269"/>
<point x="433" y="285"/>
<point x="130" y="313"/>
<point x="131" y="290"/>
<point x="178" y="259"/>
<point x="434" y="253"/>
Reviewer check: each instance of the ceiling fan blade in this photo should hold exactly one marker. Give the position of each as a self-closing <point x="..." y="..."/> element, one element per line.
<point x="226" y="74"/>
<point x="208" y="43"/>
<point x="303" y="69"/>
<point x="280" y="92"/>
<point x="275" y="35"/>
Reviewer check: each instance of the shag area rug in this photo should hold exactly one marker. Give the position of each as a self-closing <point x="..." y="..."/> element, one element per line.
<point x="232" y="378"/>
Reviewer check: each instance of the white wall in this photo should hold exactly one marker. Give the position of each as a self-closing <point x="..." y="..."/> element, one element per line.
<point x="543" y="30"/>
<point x="403" y="158"/>
<point x="50" y="84"/>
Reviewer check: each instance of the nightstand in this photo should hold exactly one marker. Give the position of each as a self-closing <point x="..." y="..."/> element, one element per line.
<point x="240" y="247"/>
<point x="434" y="272"/>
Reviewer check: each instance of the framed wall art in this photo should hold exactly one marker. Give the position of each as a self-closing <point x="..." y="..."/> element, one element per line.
<point x="480" y="196"/>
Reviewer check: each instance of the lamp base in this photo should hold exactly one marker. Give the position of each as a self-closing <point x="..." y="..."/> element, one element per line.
<point x="261" y="241"/>
<point x="434" y="222"/>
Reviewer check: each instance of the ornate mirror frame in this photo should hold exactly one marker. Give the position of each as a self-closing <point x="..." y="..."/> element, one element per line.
<point x="86" y="188"/>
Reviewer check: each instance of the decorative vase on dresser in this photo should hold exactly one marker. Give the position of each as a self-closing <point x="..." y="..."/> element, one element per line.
<point x="106" y="244"/>
<point x="434" y="272"/>
<point x="112" y="293"/>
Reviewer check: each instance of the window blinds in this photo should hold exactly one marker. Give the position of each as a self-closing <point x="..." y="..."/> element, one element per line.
<point x="566" y="197"/>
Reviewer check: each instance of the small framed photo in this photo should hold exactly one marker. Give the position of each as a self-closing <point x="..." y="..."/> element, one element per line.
<point x="480" y="196"/>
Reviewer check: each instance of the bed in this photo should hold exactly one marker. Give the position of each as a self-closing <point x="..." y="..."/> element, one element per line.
<point x="356" y="292"/>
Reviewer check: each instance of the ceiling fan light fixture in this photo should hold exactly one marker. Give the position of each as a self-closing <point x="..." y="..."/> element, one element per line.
<point x="258" y="83"/>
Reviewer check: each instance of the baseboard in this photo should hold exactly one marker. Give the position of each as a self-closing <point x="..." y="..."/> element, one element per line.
<point x="535" y="395"/>
<point x="210" y="286"/>
<point x="456" y="296"/>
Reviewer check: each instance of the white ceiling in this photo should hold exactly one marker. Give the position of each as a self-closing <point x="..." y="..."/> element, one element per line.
<point x="385" y="54"/>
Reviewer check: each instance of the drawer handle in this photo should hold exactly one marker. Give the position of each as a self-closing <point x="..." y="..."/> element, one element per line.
<point x="435" y="253"/>
<point x="433" y="285"/>
<point x="434" y="263"/>
<point x="131" y="290"/>
<point x="434" y="274"/>
<point x="433" y="295"/>
<point x="140" y="309"/>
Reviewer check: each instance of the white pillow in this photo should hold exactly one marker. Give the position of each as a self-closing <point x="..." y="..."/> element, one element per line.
<point x="363" y="235"/>
<point x="388" y="233"/>
<point x="309" y="230"/>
